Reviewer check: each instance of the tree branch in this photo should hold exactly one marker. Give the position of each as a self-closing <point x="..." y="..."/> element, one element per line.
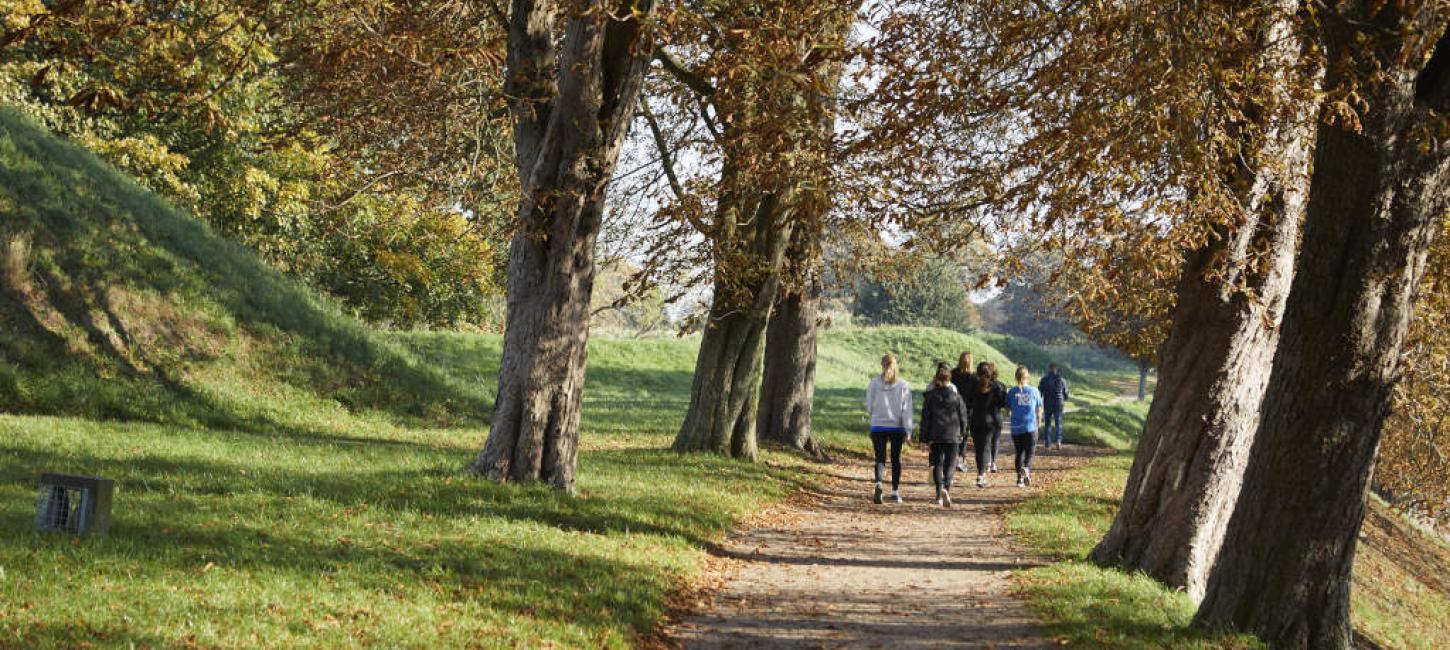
<point x="667" y="160"/>
<point x="684" y="75"/>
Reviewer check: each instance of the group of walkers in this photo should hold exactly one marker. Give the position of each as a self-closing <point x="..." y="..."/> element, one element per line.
<point x="961" y="404"/>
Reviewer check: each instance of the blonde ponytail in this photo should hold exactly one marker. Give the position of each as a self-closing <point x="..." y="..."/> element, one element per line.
<point x="890" y="372"/>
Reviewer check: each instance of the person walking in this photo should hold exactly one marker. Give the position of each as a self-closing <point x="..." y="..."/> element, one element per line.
<point x="985" y="401"/>
<point x="1054" y="402"/>
<point x="997" y="432"/>
<point x="888" y="405"/>
<point x="1025" y="403"/>
<point x="964" y="378"/>
<point x="943" y="423"/>
<point x="941" y="366"/>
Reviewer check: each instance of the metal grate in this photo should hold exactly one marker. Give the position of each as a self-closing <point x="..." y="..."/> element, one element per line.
<point x="79" y="505"/>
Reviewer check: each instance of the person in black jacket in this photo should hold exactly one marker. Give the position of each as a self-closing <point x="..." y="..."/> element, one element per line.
<point x="943" y="421"/>
<point x="964" y="377"/>
<point x="985" y="401"/>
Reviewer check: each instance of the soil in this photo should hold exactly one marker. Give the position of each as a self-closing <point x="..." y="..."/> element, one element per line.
<point x="836" y="570"/>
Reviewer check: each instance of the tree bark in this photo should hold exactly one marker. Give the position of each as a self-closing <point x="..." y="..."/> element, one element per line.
<point x="1375" y="202"/>
<point x="1143" y="369"/>
<point x="725" y="395"/>
<point x="776" y="173"/>
<point x="1216" y="361"/>
<point x="571" y="111"/>
<point x="789" y="385"/>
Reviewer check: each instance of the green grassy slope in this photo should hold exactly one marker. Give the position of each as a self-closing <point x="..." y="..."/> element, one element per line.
<point x="115" y="305"/>
<point x="288" y="477"/>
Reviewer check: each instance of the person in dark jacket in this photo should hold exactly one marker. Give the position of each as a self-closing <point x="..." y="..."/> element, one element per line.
<point x="964" y="377"/>
<point x="985" y="402"/>
<point x="1054" y="401"/>
<point x="943" y="421"/>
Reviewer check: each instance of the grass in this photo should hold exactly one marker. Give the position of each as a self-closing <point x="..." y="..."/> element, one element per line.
<point x="1087" y="605"/>
<point x="349" y="528"/>
<point x="1082" y="603"/>
<point x="1113" y="425"/>
<point x="232" y="537"/>
<point x="115" y="305"/>
<point x="288" y="477"/>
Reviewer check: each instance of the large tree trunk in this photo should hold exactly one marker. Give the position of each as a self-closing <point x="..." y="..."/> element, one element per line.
<point x="789" y="385"/>
<point x="724" y="397"/>
<point x="571" y="110"/>
<point x="775" y="178"/>
<point x="1189" y="463"/>
<point x="1375" y="204"/>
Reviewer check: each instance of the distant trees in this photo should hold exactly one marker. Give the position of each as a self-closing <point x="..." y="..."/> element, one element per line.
<point x="617" y="306"/>
<point x="930" y="292"/>
<point x="1025" y="307"/>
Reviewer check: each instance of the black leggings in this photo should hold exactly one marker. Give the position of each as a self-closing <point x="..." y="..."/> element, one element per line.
<point x="1026" y="444"/>
<point x="943" y="463"/>
<point x="981" y="439"/>
<point x="878" y="443"/>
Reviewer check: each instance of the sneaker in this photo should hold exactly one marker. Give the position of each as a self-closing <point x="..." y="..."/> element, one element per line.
<point x="877" y="496"/>
<point x="1026" y="476"/>
<point x="981" y="480"/>
<point x="961" y="466"/>
<point x="992" y="467"/>
<point x="946" y="498"/>
<point x="1020" y="480"/>
<point x="1059" y="446"/>
<point x="938" y="496"/>
<point x="896" y="496"/>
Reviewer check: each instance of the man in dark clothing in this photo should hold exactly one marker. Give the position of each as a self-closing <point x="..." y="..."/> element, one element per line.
<point x="1054" y="400"/>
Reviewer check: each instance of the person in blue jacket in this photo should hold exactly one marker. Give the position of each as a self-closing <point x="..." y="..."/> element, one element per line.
<point x="1054" y="400"/>
<point x="1025" y="404"/>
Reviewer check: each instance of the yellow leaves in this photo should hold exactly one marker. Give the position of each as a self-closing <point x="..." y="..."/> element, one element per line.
<point x="18" y="14"/>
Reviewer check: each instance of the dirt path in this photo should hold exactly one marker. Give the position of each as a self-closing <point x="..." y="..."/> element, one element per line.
<point x="840" y="571"/>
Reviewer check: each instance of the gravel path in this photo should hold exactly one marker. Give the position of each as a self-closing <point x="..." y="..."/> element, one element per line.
<point x="839" y="571"/>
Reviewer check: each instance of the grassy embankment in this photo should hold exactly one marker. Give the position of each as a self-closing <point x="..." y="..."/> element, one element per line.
<point x="1400" y="597"/>
<point x="289" y="478"/>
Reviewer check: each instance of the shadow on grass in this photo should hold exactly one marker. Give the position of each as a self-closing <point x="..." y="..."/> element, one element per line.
<point x="361" y="524"/>
<point x="444" y="492"/>
<point x="513" y="578"/>
<point x="96" y="232"/>
<point x="1097" y="607"/>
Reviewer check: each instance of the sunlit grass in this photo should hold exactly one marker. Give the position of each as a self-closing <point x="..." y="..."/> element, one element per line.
<point x="290" y="478"/>
<point x="1091" y="606"/>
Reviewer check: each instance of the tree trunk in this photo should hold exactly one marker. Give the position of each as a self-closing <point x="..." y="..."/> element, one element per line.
<point x="571" y="110"/>
<point x="1189" y="463"/>
<point x="1375" y="202"/>
<point x="725" y="395"/>
<point x="774" y="178"/>
<point x="1143" y="368"/>
<point x="789" y="385"/>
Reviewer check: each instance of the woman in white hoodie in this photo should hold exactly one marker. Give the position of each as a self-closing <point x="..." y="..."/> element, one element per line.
<point x="888" y="403"/>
